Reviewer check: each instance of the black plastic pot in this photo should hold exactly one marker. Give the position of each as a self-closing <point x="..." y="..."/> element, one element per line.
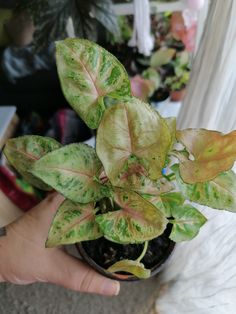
<point x="164" y="252"/>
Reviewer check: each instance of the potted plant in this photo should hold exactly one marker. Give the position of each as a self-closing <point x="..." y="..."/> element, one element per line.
<point x="177" y="83"/>
<point x="125" y="199"/>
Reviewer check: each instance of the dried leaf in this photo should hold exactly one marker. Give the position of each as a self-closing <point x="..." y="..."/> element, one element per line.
<point x="132" y="267"/>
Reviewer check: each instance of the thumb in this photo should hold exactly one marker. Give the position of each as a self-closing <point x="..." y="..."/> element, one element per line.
<point x="73" y="274"/>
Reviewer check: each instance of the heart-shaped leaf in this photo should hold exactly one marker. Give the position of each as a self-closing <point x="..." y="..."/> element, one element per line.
<point x="137" y="220"/>
<point x="88" y="73"/>
<point x="22" y="152"/>
<point x="166" y="201"/>
<point x="72" y="170"/>
<point x="135" y="139"/>
<point x="73" y="223"/>
<point x="219" y="193"/>
<point x="213" y="153"/>
<point x="186" y="223"/>
<point x="132" y="267"/>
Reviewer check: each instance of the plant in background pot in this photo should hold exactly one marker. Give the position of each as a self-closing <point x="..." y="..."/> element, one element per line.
<point x="177" y="82"/>
<point x="125" y="201"/>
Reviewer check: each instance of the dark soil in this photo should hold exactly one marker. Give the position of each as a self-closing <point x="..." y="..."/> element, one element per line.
<point x="105" y="253"/>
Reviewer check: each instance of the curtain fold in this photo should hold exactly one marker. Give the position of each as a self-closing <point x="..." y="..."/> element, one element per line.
<point x="210" y="98"/>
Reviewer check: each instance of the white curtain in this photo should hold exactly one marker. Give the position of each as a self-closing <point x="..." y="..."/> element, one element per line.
<point x="210" y="100"/>
<point x="201" y="276"/>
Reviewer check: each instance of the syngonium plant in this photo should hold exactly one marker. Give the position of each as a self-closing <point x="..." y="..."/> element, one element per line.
<point x="135" y="181"/>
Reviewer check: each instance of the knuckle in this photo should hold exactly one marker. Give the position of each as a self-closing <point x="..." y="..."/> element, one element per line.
<point x="86" y="282"/>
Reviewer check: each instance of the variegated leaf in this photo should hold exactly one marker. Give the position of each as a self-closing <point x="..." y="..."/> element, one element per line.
<point x="186" y="223"/>
<point x="219" y="193"/>
<point x="147" y="186"/>
<point x="132" y="267"/>
<point x="213" y="153"/>
<point x="135" y="139"/>
<point x="166" y="201"/>
<point x="88" y="73"/>
<point x="73" y="223"/>
<point x="72" y="170"/>
<point x="136" y="221"/>
<point x="22" y="152"/>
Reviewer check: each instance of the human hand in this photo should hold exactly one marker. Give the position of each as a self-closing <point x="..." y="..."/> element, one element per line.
<point x="24" y="258"/>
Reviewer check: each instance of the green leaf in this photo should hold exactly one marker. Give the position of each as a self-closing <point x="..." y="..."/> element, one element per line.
<point x="152" y="75"/>
<point x="22" y="152"/>
<point x="88" y="73"/>
<point x="134" y="138"/>
<point x="219" y="193"/>
<point x="183" y="58"/>
<point x="73" y="223"/>
<point x="136" y="221"/>
<point x="72" y="170"/>
<point x="165" y="202"/>
<point x="162" y="57"/>
<point x="186" y="223"/>
<point x="213" y="153"/>
<point x="132" y="267"/>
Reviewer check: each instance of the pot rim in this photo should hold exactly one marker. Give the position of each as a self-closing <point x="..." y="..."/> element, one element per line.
<point x="122" y="277"/>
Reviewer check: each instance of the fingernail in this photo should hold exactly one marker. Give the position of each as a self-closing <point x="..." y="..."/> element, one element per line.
<point x="111" y="287"/>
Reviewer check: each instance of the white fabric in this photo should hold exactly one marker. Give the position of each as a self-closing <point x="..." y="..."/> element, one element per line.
<point x="210" y="97"/>
<point x="201" y="276"/>
<point x="141" y="37"/>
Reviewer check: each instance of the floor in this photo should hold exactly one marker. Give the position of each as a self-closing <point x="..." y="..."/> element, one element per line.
<point x="134" y="298"/>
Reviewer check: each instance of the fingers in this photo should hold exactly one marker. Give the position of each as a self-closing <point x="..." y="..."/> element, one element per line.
<point x="73" y="274"/>
<point x="48" y="206"/>
<point x="53" y="201"/>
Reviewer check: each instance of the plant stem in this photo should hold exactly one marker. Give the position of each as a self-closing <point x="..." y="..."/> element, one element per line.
<point x="143" y="252"/>
<point x="170" y="177"/>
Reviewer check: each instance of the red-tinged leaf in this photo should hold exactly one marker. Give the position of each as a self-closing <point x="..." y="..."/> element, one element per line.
<point x="187" y="222"/>
<point x="219" y="193"/>
<point x="166" y="201"/>
<point x="22" y="152"/>
<point x="132" y="139"/>
<point x="88" y="73"/>
<point x="73" y="171"/>
<point x="73" y="223"/>
<point x="213" y="153"/>
<point x="136" y="221"/>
